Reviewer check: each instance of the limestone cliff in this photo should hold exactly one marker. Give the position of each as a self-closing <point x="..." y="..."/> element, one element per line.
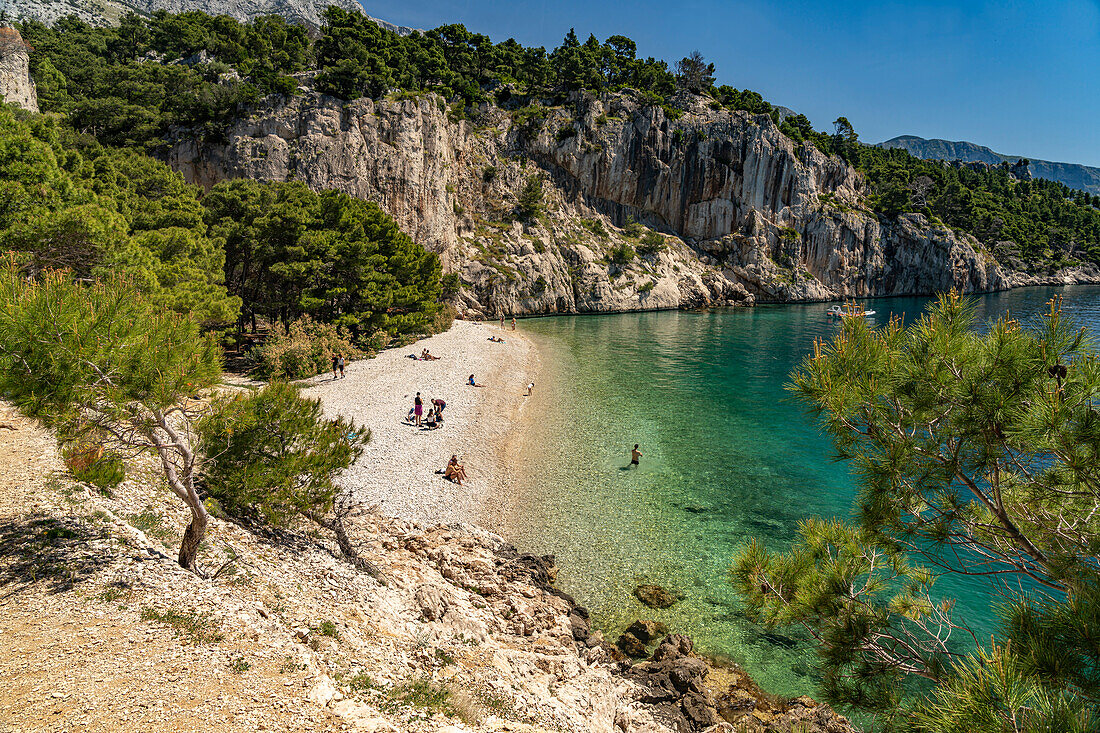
<point x="109" y="12"/>
<point x="744" y="213"/>
<point x="16" y="86"/>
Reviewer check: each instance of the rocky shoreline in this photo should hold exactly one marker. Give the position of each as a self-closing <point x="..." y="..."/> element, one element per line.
<point x="103" y="631"/>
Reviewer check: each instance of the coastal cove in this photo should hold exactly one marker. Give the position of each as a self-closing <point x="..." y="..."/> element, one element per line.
<point x="727" y="455"/>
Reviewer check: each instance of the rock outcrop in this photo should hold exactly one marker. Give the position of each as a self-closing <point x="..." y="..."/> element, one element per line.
<point x="16" y="86"/>
<point x="640" y="210"/>
<point x="108" y="12"/>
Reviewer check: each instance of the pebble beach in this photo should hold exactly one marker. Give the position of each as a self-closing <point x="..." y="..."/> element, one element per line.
<point x="483" y="425"/>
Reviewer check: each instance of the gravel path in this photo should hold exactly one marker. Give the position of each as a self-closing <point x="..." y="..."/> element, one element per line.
<point x="483" y="425"/>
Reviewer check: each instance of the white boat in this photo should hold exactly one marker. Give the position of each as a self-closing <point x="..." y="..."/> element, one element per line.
<point x="838" y="311"/>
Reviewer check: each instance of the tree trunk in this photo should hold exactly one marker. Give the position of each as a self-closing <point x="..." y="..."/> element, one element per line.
<point x="192" y="537"/>
<point x="347" y="549"/>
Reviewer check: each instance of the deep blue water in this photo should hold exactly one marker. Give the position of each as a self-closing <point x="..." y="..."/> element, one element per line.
<point x="727" y="455"/>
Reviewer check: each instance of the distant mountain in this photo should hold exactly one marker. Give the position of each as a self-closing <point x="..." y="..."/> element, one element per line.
<point x="1081" y="177"/>
<point x="108" y="12"/>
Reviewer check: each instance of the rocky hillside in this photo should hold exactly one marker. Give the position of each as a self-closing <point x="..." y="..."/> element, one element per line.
<point x="1081" y="177"/>
<point x="105" y="12"/>
<point x="742" y="212"/>
<point x="104" y="631"/>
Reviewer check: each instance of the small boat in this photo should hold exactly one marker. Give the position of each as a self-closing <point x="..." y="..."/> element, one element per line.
<point x="838" y="311"/>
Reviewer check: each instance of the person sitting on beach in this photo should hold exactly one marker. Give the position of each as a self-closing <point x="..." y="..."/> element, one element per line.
<point x="472" y="383"/>
<point x="431" y="421"/>
<point x="496" y="339"/>
<point x="455" y="471"/>
<point x="411" y="417"/>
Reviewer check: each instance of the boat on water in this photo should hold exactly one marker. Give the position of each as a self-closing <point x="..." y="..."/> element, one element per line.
<point x="838" y="311"/>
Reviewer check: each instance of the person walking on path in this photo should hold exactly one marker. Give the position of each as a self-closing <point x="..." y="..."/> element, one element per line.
<point x="335" y="364"/>
<point x="513" y="323"/>
<point x="418" y="408"/>
<point x="340" y="358"/>
<point x="635" y="454"/>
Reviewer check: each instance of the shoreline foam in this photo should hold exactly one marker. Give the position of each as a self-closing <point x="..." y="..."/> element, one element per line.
<point x="485" y="426"/>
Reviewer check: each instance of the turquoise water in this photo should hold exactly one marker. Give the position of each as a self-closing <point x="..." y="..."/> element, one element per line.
<point x="727" y="455"/>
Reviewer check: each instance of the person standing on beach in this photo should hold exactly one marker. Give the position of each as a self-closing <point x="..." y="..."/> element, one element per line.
<point x="340" y="358"/>
<point x="513" y="323"/>
<point x="335" y="364"/>
<point x="418" y="408"/>
<point x="502" y="323"/>
<point x="635" y="454"/>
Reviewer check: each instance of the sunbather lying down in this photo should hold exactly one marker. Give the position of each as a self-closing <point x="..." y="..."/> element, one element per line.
<point x="455" y="471"/>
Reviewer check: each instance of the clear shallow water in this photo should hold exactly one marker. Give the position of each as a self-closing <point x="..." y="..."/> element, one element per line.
<point x="727" y="455"/>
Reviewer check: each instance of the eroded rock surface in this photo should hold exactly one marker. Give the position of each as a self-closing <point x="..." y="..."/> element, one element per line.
<point x="743" y="213"/>
<point x="16" y="86"/>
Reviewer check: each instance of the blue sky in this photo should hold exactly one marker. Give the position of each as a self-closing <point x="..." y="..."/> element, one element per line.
<point x="1020" y="77"/>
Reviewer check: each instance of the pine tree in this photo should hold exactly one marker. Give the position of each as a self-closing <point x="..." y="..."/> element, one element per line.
<point x="106" y="366"/>
<point x="977" y="454"/>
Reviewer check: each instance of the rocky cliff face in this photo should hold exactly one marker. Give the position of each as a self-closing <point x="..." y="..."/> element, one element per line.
<point x="108" y="12"/>
<point x="640" y="210"/>
<point x="16" y="86"/>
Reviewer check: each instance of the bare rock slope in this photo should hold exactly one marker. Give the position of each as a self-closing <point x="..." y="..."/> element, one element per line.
<point x="743" y="213"/>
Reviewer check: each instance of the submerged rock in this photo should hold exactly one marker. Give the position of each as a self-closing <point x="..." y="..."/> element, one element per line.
<point x="631" y="645"/>
<point x="654" y="596"/>
<point x="647" y="630"/>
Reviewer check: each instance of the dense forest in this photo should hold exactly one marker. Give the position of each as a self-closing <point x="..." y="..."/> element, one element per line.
<point x="129" y="85"/>
<point x="245" y="249"/>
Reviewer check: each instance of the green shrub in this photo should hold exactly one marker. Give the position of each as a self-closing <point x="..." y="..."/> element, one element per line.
<point x="529" y="201"/>
<point x="306" y="350"/>
<point x="489" y="174"/>
<point x="421" y="693"/>
<point x="622" y="254"/>
<point x="452" y="283"/>
<point x="651" y="243"/>
<point x="633" y="229"/>
<point x="596" y="227"/>
<point x="271" y="453"/>
<point x="190" y="626"/>
<point x="92" y="465"/>
<point x="646" y="287"/>
<point x="377" y="341"/>
<point x="565" y="132"/>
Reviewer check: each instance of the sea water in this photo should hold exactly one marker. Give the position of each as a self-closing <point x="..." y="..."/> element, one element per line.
<point x="728" y="454"/>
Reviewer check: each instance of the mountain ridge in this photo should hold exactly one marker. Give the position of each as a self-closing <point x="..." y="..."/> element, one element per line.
<point x="1073" y="175"/>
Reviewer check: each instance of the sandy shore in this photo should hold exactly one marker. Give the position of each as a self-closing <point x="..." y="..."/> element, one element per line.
<point x="483" y="425"/>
